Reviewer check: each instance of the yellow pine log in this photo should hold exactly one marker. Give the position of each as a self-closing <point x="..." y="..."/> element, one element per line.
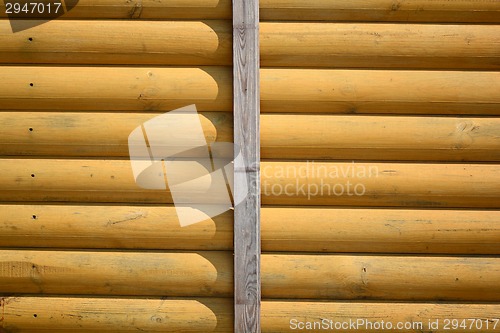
<point x="380" y="91"/>
<point x="119" y="42"/>
<point x="117" y="273"/>
<point x="283" y="275"/>
<point x="282" y="44"/>
<point x="379" y="137"/>
<point x="115" y="88"/>
<point x="283" y="136"/>
<point x="378" y="230"/>
<point x="380" y="184"/>
<point x="282" y="229"/>
<point x="146" y="9"/>
<point x="343" y="10"/>
<point x="421" y="278"/>
<point x="89" y="134"/>
<point x="282" y="90"/>
<point x="66" y="315"/>
<point x="382" y="10"/>
<point x="283" y="183"/>
<point x="125" y="227"/>
<point x="362" y="45"/>
<point x="115" y="315"/>
<point x="277" y="316"/>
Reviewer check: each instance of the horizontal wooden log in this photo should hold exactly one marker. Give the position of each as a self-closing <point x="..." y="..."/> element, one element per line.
<point x="283" y="183"/>
<point x="112" y="88"/>
<point x="114" y="315"/>
<point x="116" y="273"/>
<point x="380" y="91"/>
<point x="381" y="184"/>
<point x="421" y="278"/>
<point x="304" y="136"/>
<point x="283" y="136"/>
<point x="362" y="45"/>
<point x="145" y="9"/>
<point x="344" y="10"/>
<point x="282" y="90"/>
<point x="89" y="134"/>
<point x="379" y="230"/>
<point x="282" y="44"/>
<point x="382" y="10"/>
<point x="119" y="42"/>
<point x="282" y="229"/>
<point x="66" y="315"/>
<point x="110" y="227"/>
<point x="283" y="275"/>
<point x="286" y="316"/>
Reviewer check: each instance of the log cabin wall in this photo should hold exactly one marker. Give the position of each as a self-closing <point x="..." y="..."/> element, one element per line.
<point x="84" y="248"/>
<point x="401" y="99"/>
<point x="398" y="98"/>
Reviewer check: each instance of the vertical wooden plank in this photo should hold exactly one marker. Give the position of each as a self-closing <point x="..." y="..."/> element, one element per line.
<point x="246" y="65"/>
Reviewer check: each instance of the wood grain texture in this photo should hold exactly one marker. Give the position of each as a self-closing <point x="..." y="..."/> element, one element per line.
<point x="110" y="227"/>
<point x="282" y="90"/>
<point x="114" y="315"/>
<point x="289" y="229"/>
<point x="381" y="184"/>
<point x="246" y="65"/>
<point x="278" y="314"/>
<point x="365" y="45"/>
<point x="482" y="11"/>
<point x="115" y="88"/>
<point x="283" y="183"/>
<point x="389" y="277"/>
<point x="89" y="134"/>
<point x="293" y="229"/>
<point x="315" y="136"/>
<point x="146" y="9"/>
<point x="283" y="136"/>
<point x="301" y="276"/>
<point x="117" y="42"/>
<point x="380" y="91"/>
<point x="116" y="273"/>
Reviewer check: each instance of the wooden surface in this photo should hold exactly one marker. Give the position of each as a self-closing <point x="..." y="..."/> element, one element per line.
<point x="111" y="227"/>
<point x="116" y="273"/>
<point x="277" y="315"/>
<point x="381" y="184"/>
<point x="122" y="42"/>
<point x="113" y="315"/>
<point x="283" y="183"/>
<point x="115" y="88"/>
<point x="282" y="90"/>
<point x="425" y="230"/>
<point x="309" y="276"/>
<point x="364" y="45"/>
<point x="471" y="11"/>
<point x="289" y="229"/>
<point x="283" y="136"/>
<point x="89" y="134"/>
<point x="246" y="65"/>
<point x="389" y="277"/>
<point x="147" y="9"/>
<point x="119" y="42"/>
<point x="380" y="91"/>
<point x="482" y="11"/>
<point x="314" y="136"/>
<point x="293" y="229"/>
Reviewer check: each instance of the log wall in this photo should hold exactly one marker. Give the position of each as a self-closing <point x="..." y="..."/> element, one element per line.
<point x="380" y="175"/>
